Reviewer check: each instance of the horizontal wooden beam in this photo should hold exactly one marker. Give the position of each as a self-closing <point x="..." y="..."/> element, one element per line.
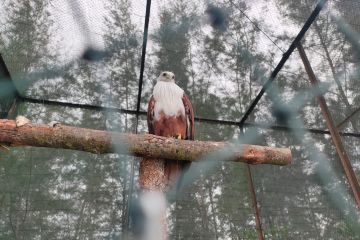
<point x="143" y="145"/>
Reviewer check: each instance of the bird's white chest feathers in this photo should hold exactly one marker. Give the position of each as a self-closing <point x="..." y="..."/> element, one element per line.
<point x="168" y="98"/>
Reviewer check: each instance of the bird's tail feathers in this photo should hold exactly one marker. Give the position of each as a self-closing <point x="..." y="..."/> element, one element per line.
<point x="174" y="172"/>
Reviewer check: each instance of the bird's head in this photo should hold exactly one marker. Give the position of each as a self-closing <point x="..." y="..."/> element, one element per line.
<point x="166" y="77"/>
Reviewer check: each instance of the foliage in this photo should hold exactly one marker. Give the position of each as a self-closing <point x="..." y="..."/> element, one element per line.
<point x="57" y="194"/>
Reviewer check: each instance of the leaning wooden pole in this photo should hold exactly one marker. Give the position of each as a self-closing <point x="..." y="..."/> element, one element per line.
<point x="142" y="145"/>
<point x="335" y="136"/>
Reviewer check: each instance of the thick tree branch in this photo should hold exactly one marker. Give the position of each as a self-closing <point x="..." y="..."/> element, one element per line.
<point x="144" y="145"/>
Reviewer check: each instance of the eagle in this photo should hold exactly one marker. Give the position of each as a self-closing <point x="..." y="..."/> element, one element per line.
<point x="170" y="114"/>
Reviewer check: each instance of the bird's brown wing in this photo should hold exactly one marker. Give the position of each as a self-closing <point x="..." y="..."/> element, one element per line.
<point x="150" y="115"/>
<point x="189" y="114"/>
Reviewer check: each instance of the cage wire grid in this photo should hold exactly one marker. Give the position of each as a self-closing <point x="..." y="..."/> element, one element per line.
<point x="265" y="221"/>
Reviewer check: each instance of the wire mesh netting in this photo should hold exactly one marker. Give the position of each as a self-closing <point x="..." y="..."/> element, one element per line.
<point x="92" y="64"/>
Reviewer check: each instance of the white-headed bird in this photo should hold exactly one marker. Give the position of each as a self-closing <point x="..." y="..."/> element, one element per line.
<point x="170" y="114"/>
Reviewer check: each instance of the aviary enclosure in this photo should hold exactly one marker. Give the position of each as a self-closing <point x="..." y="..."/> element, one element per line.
<point x="276" y="73"/>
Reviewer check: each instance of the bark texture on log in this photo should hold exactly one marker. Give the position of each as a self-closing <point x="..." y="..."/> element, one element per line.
<point x="143" y="145"/>
<point x="152" y="175"/>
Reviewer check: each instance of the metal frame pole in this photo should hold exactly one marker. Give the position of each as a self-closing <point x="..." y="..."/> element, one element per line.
<point x="335" y="136"/>
<point x="283" y="60"/>
<point x="259" y="229"/>
<point x="255" y="206"/>
<point x="8" y="92"/>
<point x="348" y="118"/>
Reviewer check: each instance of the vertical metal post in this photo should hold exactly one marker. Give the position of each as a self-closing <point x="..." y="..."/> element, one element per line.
<point x="253" y="199"/>
<point x="335" y="136"/>
<point x="142" y="67"/>
<point x="254" y="204"/>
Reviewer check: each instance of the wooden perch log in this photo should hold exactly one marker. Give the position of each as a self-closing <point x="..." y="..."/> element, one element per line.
<point x="143" y="145"/>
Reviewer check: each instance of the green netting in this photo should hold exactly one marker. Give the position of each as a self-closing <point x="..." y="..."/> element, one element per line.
<point x="222" y="52"/>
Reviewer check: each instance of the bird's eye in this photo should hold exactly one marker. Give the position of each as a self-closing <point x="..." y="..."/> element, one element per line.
<point x="173" y="77"/>
<point x="164" y="74"/>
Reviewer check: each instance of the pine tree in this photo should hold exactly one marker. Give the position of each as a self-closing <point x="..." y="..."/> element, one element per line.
<point x="122" y="40"/>
<point x="173" y="40"/>
<point x="25" y="41"/>
<point x="24" y="46"/>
